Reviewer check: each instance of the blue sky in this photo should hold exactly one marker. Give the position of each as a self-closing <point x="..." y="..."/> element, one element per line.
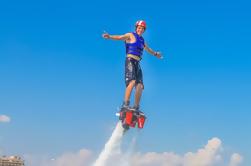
<point x="61" y="82"/>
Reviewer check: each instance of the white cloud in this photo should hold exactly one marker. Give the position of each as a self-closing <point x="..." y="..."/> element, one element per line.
<point x="153" y="159"/>
<point x="207" y="156"/>
<point x="211" y="154"/>
<point x="77" y="159"/>
<point x="236" y="159"/>
<point x="4" y="118"/>
<point x="80" y="158"/>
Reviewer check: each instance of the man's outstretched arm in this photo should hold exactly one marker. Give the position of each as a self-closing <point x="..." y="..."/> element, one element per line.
<point x="116" y="37"/>
<point x="154" y="53"/>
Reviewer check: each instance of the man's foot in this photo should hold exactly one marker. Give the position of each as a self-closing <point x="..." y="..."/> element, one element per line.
<point x="123" y="109"/>
<point x="137" y="110"/>
<point x="125" y="106"/>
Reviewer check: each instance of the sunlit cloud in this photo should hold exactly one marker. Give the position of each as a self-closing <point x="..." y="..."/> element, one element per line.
<point x="80" y="158"/>
<point x="4" y="119"/>
<point x="211" y="154"/>
<point x="236" y="159"/>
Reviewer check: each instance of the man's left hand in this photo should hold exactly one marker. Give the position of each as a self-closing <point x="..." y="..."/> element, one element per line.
<point x="158" y="54"/>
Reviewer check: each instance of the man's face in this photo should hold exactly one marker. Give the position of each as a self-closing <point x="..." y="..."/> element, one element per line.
<point x="140" y="30"/>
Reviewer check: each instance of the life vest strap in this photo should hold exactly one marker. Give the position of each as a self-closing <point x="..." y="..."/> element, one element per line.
<point x="133" y="56"/>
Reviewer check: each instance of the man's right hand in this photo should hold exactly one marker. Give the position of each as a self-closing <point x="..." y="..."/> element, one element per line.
<point x="105" y="35"/>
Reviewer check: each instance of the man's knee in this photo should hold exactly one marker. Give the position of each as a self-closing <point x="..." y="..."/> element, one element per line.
<point x="131" y="83"/>
<point x="140" y="86"/>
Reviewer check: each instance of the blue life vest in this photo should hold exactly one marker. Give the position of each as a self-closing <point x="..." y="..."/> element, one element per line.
<point x="137" y="47"/>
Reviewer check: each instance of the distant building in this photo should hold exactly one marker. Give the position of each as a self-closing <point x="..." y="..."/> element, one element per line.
<point x="11" y="161"/>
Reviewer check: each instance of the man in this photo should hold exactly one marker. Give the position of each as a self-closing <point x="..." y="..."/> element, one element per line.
<point x="135" y="46"/>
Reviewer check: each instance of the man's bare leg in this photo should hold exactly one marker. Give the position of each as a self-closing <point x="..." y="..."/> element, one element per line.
<point x="128" y="92"/>
<point x="138" y="94"/>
